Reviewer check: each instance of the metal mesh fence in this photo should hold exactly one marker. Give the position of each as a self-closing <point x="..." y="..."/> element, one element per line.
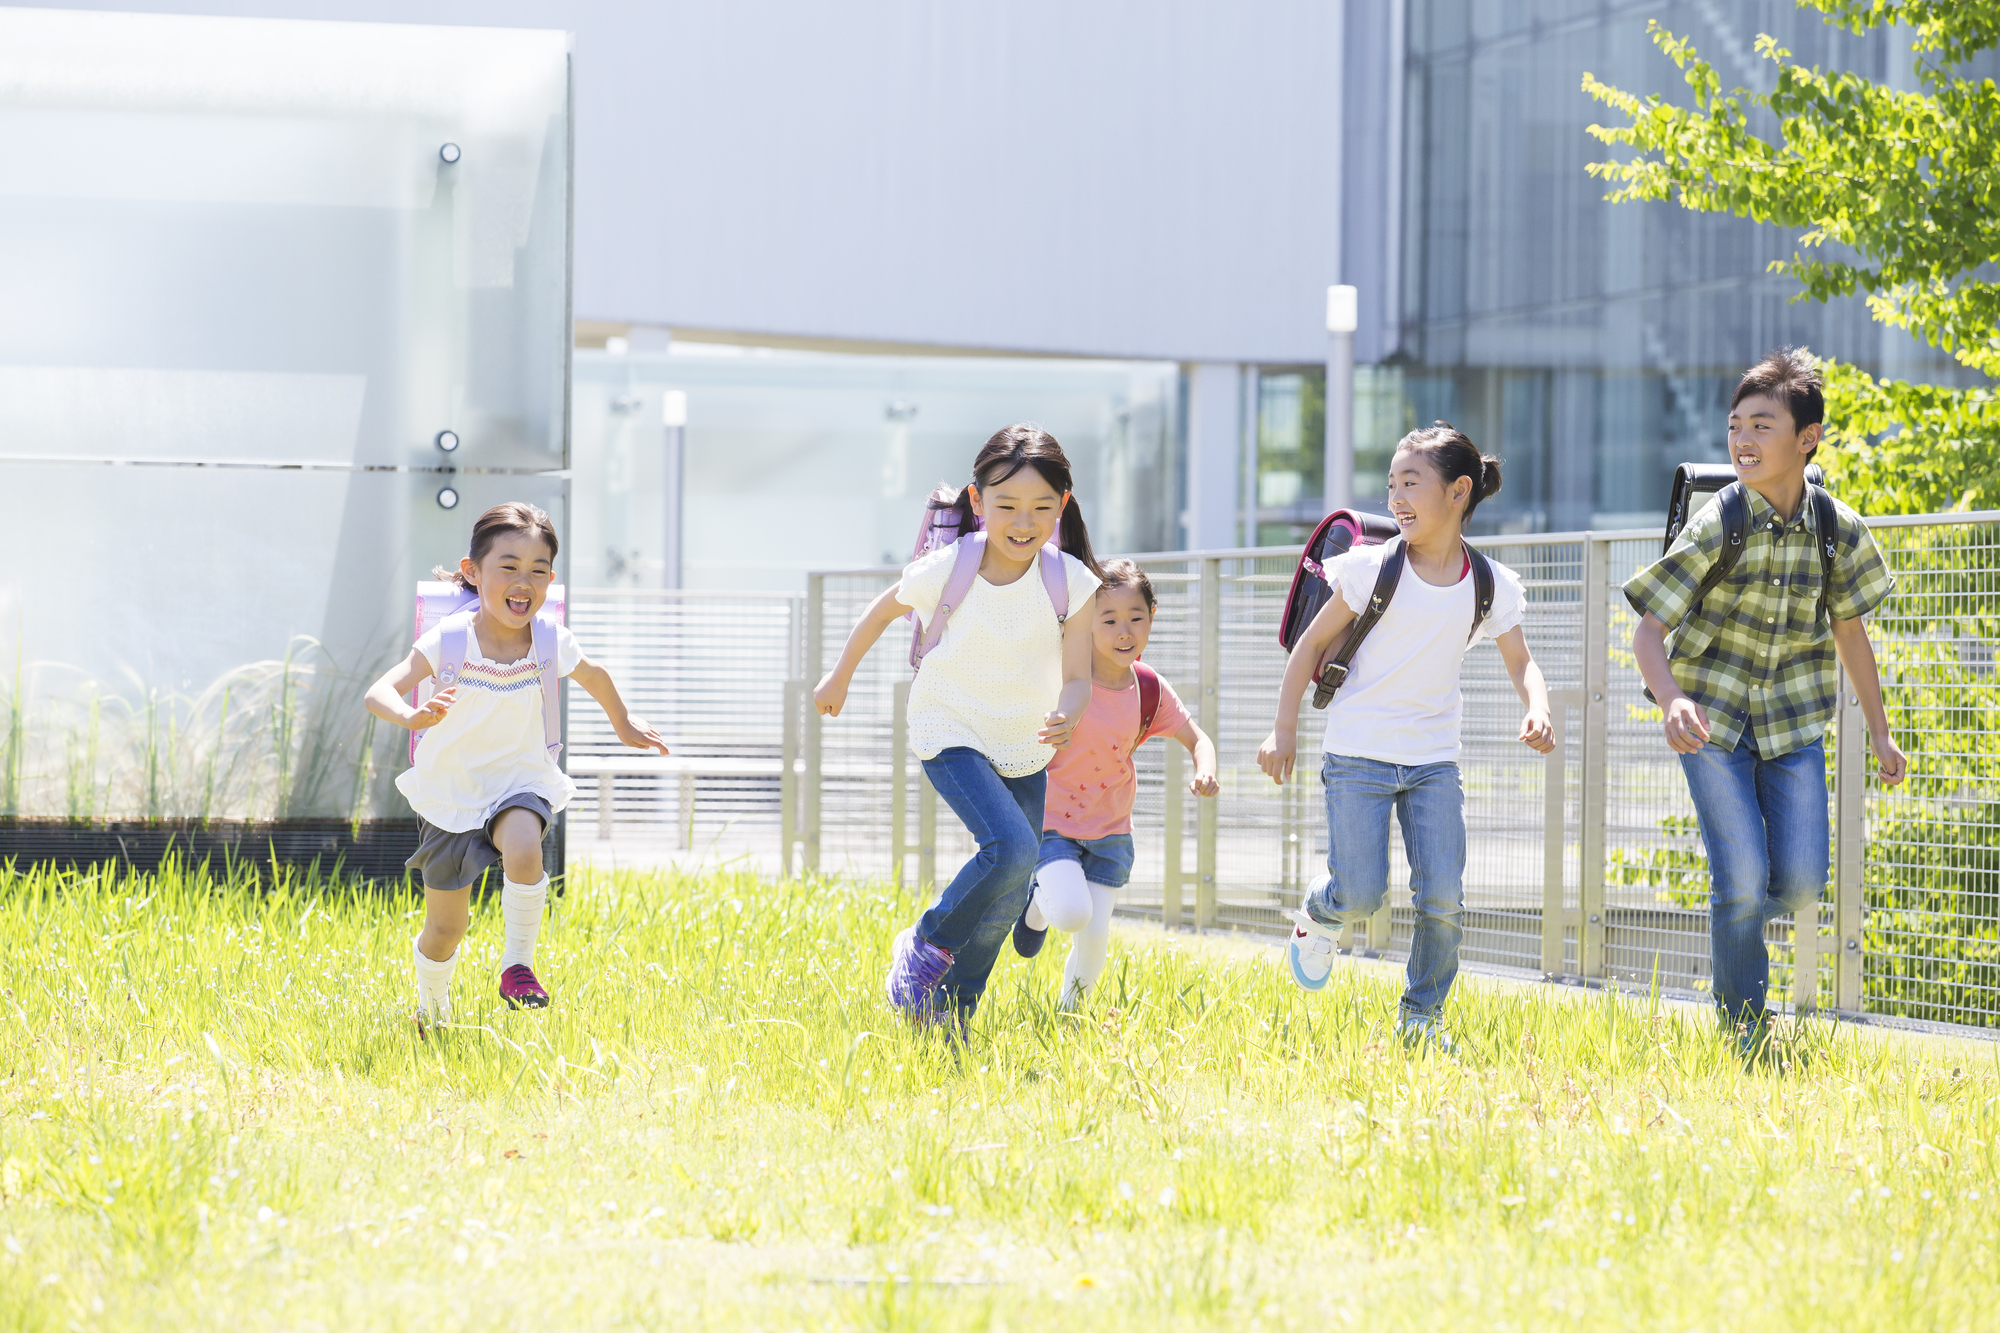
<point x="1587" y="864"/>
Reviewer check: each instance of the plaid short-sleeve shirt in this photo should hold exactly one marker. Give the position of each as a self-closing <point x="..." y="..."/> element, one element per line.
<point x="1757" y="655"/>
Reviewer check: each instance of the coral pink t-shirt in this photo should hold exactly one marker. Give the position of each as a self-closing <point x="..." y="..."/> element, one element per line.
<point x="1091" y="783"/>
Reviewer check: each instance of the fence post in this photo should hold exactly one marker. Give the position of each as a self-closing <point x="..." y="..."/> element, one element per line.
<point x="1170" y="858"/>
<point x="1210" y="630"/>
<point x="1596" y="756"/>
<point x="1850" y="905"/>
<point x="815" y="633"/>
<point x="926" y="830"/>
<point x="788" y="778"/>
<point x="899" y="773"/>
<point x="1555" y="831"/>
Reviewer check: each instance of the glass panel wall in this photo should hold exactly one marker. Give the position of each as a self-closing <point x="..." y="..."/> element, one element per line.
<point x="1592" y="346"/>
<point x="808" y="460"/>
<point x="255" y="270"/>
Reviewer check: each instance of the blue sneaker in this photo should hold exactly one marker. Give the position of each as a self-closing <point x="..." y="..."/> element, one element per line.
<point x="915" y="968"/>
<point x="1425" y="1032"/>
<point x="1310" y="951"/>
<point x="1027" y="940"/>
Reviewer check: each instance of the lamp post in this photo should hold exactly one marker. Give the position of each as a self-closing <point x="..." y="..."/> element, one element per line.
<point x="1342" y="316"/>
<point x="674" y="416"/>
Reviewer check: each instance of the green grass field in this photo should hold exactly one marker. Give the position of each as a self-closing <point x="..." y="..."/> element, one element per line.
<point x="214" y="1112"/>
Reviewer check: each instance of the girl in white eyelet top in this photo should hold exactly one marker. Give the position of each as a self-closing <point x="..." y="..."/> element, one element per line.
<point x="997" y="695"/>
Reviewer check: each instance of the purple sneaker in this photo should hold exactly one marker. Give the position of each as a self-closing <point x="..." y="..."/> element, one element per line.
<point x="915" y="968"/>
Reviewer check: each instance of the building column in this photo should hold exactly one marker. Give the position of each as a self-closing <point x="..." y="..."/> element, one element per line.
<point x="1214" y="455"/>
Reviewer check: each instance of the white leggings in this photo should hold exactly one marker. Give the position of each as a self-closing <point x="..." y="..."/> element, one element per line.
<point x="1082" y="909"/>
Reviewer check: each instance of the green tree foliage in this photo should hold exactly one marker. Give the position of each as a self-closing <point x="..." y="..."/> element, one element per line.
<point x="1906" y="182"/>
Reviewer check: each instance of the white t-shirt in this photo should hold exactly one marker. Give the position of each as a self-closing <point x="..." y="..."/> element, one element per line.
<point x="998" y="669"/>
<point x="1400" y="703"/>
<point x="491" y="743"/>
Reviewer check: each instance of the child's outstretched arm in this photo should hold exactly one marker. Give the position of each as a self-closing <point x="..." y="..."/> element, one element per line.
<point x="830" y="695"/>
<point x="632" y="731"/>
<point x="1059" y="726"/>
<point x="1280" y="748"/>
<point x="1857" y="658"/>
<point x="385" y="697"/>
<point x="1203" y="783"/>
<point x="1536" y="731"/>
<point x="1685" y="723"/>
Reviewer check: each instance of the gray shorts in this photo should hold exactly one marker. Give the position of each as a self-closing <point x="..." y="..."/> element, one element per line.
<point x="453" y="861"/>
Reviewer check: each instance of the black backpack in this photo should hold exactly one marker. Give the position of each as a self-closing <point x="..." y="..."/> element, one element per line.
<point x="1694" y="481"/>
<point x="1338" y="533"/>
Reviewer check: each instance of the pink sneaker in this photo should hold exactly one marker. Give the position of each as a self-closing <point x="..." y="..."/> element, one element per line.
<point x="520" y="990"/>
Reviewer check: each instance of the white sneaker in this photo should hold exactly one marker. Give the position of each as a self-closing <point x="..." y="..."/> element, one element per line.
<point x="1310" y="951"/>
<point x="1425" y="1032"/>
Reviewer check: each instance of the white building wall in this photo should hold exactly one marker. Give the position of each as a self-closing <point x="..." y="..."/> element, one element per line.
<point x="1127" y="178"/>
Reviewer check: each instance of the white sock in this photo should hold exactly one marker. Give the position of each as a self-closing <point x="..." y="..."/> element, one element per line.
<point x="521" y="908"/>
<point x="1090" y="947"/>
<point x="1063" y="896"/>
<point x="433" y="984"/>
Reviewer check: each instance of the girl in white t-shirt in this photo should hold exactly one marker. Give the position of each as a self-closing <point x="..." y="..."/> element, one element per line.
<point x="485" y="784"/>
<point x="1392" y="728"/>
<point x="997" y="695"/>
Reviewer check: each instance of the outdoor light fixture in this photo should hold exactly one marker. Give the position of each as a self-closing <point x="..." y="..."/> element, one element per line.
<point x="447" y="440"/>
<point x="449" y="152"/>
<point x="447" y="498"/>
<point x="1343" y="312"/>
<point x="674" y="408"/>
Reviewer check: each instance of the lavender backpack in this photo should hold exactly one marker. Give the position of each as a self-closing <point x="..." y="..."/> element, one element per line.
<point x="451" y="607"/>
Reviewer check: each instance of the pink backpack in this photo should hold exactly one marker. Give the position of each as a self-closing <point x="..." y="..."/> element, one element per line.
<point x="453" y="607"/>
<point x="939" y="529"/>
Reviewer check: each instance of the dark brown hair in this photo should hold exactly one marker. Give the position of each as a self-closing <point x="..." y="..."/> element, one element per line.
<point x="513" y="516"/>
<point x="1790" y="375"/>
<point x="1007" y="452"/>
<point x="1446" y="448"/>
<point x="1125" y="574"/>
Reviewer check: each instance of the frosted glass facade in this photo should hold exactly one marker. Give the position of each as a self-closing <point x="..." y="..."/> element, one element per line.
<point x="1593" y="346"/>
<point x="246" y="286"/>
<point x="803" y="460"/>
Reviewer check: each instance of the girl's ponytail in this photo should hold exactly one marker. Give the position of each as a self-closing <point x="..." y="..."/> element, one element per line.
<point x="1447" y="449"/>
<point x="1027" y="445"/>
<point x="958" y="501"/>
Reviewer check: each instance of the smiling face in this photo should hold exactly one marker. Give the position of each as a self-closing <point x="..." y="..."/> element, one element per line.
<point x="1420" y="501"/>
<point x="1020" y="513"/>
<point x="1120" y="629"/>
<point x="1765" y="444"/>
<point x="512" y="577"/>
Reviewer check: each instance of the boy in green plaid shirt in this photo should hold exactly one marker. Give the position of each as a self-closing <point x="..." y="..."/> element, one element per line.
<point x="1747" y="684"/>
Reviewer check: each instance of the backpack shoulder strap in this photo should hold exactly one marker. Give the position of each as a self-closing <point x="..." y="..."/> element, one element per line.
<point x="964" y="569"/>
<point x="1735" y="532"/>
<point x="1827" y="520"/>
<point x="452" y="635"/>
<point x="1055" y="578"/>
<point x="548" y="657"/>
<point x="1482" y="591"/>
<point x="1149" y="697"/>
<point x="1333" y="672"/>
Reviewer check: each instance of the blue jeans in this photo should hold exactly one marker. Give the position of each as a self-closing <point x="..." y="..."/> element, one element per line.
<point x="1430" y="807"/>
<point x="1764" y="823"/>
<point x="1107" y="860"/>
<point x="974" y="914"/>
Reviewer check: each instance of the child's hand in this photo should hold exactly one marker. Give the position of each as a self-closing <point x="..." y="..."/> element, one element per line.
<point x="638" y="735"/>
<point x="1537" y="732"/>
<point x="1203" y="784"/>
<point x="1686" y="726"/>
<point x="830" y="695"/>
<point x="1057" y="728"/>
<point x="1890" y="765"/>
<point x="1276" y="755"/>
<point x="433" y="709"/>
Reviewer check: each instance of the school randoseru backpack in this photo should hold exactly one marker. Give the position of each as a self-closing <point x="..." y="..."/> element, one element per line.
<point x="453" y="607"/>
<point x="1695" y="482"/>
<point x="1338" y="533"/>
<point x="938" y="529"/>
